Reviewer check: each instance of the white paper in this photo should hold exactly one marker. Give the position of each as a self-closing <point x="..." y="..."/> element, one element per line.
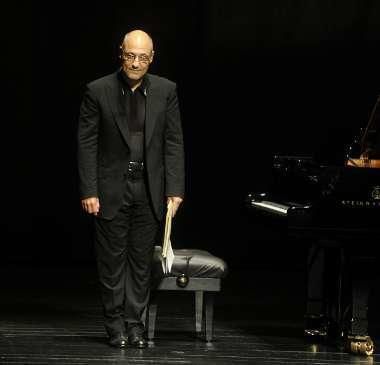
<point x="167" y="250"/>
<point x="169" y="258"/>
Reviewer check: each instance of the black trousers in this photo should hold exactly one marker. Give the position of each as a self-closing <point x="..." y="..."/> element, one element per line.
<point x="124" y="250"/>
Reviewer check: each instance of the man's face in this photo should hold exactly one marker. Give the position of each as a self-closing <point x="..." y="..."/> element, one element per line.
<point x="136" y="59"/>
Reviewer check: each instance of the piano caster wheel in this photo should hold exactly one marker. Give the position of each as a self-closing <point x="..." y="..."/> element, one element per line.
<point x="360" y="345"/>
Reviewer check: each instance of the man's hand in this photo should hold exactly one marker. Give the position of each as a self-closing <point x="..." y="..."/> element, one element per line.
<point x="176" y="201"/>
<point x="91" y="205"/>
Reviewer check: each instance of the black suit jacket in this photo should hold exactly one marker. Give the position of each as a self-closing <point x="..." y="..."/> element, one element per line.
<point x="103" y="137"/>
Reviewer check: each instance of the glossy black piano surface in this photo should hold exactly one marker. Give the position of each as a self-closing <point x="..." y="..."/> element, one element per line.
<point x="327" y="199"/>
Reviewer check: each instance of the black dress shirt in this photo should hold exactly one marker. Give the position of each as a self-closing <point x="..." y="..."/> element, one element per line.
<point x="135" y="106"/>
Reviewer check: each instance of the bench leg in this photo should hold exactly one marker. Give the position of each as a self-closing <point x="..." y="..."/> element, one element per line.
<point x="198" y="311"/>
<point x="209" y="304"/>
<point x="151" y="314"/>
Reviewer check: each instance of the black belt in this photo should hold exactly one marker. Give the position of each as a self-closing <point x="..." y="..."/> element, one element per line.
<point x="135" y="169"/>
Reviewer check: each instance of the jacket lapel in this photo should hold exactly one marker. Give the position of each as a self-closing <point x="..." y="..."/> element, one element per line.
<point x="151" y="112"/>
<point x="117" y="105"/>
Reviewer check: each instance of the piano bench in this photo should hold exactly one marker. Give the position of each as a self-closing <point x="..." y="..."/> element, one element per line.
<point x="193" y="270"/>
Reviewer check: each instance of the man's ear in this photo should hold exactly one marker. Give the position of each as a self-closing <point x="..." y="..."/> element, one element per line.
<point x="151" y="56"/>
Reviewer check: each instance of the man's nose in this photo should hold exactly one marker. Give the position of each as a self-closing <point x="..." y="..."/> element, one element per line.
<point x="135" y="63"/>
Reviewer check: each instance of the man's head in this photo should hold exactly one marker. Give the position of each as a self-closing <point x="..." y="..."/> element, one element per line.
<point x="136" y="54"/>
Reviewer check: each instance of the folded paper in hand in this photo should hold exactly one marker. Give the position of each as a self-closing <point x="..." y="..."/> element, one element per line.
<point x="167" y="251"/>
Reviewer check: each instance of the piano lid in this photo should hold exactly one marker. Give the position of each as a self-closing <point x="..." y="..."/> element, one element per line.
<point x="370" y="141"/>
<point x="367" y="154"/>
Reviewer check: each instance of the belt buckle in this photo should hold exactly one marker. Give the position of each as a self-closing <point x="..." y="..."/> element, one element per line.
<point x="135" y="169"/>
<point x="135" y="166"/>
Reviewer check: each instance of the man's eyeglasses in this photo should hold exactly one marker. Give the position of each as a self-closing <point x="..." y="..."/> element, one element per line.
<point x="130" y="57"/>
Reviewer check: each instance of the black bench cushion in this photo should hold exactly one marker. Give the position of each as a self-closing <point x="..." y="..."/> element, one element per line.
<point x="202" y="264"/>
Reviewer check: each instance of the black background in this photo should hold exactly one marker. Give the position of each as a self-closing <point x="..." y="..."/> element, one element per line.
<point x="254" y="78"/>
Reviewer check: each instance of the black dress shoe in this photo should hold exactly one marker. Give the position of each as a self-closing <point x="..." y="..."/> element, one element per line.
<point x="137" y="340"/>
<point x="119" y="341"/>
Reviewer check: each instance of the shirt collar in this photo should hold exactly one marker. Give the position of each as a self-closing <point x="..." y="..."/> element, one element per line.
<point x="142" y="87"/>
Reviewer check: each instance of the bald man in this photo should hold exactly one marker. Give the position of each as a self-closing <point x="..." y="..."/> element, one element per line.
<point x="131" y="163"/>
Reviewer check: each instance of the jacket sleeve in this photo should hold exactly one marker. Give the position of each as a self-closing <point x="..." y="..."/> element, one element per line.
<point x="88" y="145"/>
<point x="174" y="149"/>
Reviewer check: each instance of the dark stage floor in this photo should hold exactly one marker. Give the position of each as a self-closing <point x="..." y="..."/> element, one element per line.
<point x="53" y="315"/>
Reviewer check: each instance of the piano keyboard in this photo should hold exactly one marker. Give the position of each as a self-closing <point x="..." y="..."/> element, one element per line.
<point x="271" y="207"/>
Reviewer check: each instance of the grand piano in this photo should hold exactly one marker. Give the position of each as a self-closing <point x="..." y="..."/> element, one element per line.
<point x="323" y="203"/>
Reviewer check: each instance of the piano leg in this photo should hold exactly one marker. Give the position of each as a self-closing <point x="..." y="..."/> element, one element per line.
<point x="358" y="341"/>
<point x="338" y="288"/>
<point x="315" y="327"/>
<point x="321" y="305"/>
<point x="339" y="298"/>
<point x="315" y="288"/>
